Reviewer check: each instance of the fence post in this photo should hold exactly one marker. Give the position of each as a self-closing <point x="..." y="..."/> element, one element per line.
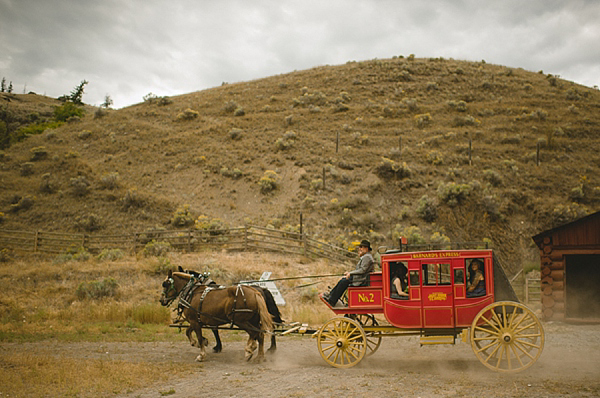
<point x="245" y="237"/>
<point x="537" y="155"/>
<point x="323" y="178"/>
<point x="190" y="241"/>
<point x="470" y="152"/>
<point x="337" y="142"/>
<point x="35" y="241"/>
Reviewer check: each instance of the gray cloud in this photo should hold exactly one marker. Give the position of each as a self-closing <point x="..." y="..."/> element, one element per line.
<point x="129" y="48"/>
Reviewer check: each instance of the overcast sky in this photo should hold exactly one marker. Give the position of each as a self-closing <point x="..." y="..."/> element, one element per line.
<point x="128" y="48"/>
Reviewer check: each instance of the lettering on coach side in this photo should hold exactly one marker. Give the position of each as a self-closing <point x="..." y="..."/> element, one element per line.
<point x="437" y="296"/>
<point x="366" y="298"/>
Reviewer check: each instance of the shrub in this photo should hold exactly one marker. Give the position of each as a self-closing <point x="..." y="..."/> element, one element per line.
<point x="491" y="207"/>
<point x="22" y="203"/>
<point x="109" y="180"/>
<point x="188" y="114"/>
<point x="95" y="290"/>
<point x="423" y="120"/>
<point x="435" y="158"/>
<point x="316" y="185"/>
<point x="84" y="135"/>
<point x="79" y="185"/>
<point x="286" y="142"/>
<point x="110" y="255"/>
<point x="493" y="177"/>
<point x="563" y="214"/>
<point x="74" y="253"/>
<point x="156" y="249"/>
<point x="132" y="199"/>
<point x="38" y="153"/>
<point x="67" y="111"/>
<point x="88" y="223"/>
<point x="26" y="169"/>
<point x="440" y="240"/>
<point x="235" y="134"/>
<point x="468" y="120"/>
<point x="411" y="233"/>
<point x="452" y="193"/>
<point x="268" y="182"/>
<point x="239" y="111"/>
<point x="230" y="107"/>
<point x="411" y="104"/>
<point x="182" y="217"/>
<point x="216" y="226"/>
<point x="389" y="169"/>
<point x="227" y="172"/>
<point x="427" y="209"/>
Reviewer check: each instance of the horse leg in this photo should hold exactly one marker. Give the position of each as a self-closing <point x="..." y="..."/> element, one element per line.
<point x="218" y="347"/>
<point x="261" y="347"/>
<point x="250" y="347"/>
<point x="273" y="347"/>
<point x="198" y="330"/>
<point x="194" y="341"/>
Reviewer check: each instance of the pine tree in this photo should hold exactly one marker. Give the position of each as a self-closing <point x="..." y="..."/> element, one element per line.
<point x="77" y="93"/>
<point x="10" y="87"/>
<point x="3" y="85"/>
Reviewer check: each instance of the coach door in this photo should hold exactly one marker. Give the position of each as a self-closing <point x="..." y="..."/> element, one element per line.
<point x="436" y="294"/>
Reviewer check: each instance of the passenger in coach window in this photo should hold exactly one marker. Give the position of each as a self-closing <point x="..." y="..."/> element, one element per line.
<point x="399" y="284"/>
<point x="476" y="279"/>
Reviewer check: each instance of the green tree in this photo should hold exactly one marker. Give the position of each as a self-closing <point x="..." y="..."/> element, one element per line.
<point x="77" y="93"/>
<point x="10" y="87"/>
<point x="3" y="85"/>
<point x="107" y="102"/>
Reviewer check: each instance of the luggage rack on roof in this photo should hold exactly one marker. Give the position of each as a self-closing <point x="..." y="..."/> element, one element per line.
<point x="404" y="247"/>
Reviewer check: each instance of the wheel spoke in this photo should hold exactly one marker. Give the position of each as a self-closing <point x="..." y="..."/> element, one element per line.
<point x="487" y="346"/>
<point x="514" y="349"/>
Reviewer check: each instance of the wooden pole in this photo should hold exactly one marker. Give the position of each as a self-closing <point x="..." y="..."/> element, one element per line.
<point x="337" y="142"/>
<point x="323" y="178"/>
<point x="301" y="223"/>
<point x="400" y="146"/>
<point x="470" y="152"/>
<point x="537" y="155"/>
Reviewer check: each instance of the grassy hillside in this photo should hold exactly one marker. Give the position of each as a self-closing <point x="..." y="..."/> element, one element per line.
<point x="256" y="152"/>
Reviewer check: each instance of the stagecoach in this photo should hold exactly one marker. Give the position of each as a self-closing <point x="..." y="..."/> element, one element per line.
<point x="504" y="334"/>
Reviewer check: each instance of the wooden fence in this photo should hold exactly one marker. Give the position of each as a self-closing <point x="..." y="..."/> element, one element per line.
<point x="242" y="238"/>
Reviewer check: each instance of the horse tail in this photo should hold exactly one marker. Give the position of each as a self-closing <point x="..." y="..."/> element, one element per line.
<point x="266" y="320"/>
<point x="272" y="305"/>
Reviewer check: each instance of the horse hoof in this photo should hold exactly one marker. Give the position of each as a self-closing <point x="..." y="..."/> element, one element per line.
<point x="249" y="357"/>
<point x="272" y="350"/>
<point x="200" y="358"/>
<point x="216" y="349"/>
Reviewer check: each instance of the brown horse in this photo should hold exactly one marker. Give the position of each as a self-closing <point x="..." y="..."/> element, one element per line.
<point x="203" y="278"/>
<point x="201" y="306"/>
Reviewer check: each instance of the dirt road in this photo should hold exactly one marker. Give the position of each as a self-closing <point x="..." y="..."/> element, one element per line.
<point x="569" y="365"/>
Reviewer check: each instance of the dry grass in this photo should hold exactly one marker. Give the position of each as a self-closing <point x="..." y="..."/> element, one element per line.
<point x="42" y="374"/>
<point x="39" y="304"/>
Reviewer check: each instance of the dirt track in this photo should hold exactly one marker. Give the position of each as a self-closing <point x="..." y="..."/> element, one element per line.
<point x="569" y="365"/>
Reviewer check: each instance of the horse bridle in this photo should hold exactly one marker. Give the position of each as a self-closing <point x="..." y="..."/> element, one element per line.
<point x="168" y="286"/>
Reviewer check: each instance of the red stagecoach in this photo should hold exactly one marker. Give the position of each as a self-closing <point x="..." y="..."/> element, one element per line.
<point x="440" y="307"/>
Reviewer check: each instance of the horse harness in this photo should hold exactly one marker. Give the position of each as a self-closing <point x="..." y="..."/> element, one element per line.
<point x="186" y="294"/>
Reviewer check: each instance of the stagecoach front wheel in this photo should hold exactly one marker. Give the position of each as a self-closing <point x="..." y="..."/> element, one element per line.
<point x="342" y="342"/>
<point x="507" y="337"/>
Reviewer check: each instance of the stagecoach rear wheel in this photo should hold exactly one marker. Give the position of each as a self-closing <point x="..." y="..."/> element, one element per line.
<point x="507" y="337"/>
<point x="373" y="338"/>
<point x="342" y="342"/>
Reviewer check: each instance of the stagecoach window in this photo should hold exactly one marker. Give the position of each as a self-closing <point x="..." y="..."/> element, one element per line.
<point x="459" y="276"/>
<point x="414" y="278"/>
<point x="436" y="274"/>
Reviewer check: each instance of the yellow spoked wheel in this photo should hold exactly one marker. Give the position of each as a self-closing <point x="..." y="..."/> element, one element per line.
<point x="342" y="342"/>
<point x="507" y="337"/>
<point x="373" y="338"/>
